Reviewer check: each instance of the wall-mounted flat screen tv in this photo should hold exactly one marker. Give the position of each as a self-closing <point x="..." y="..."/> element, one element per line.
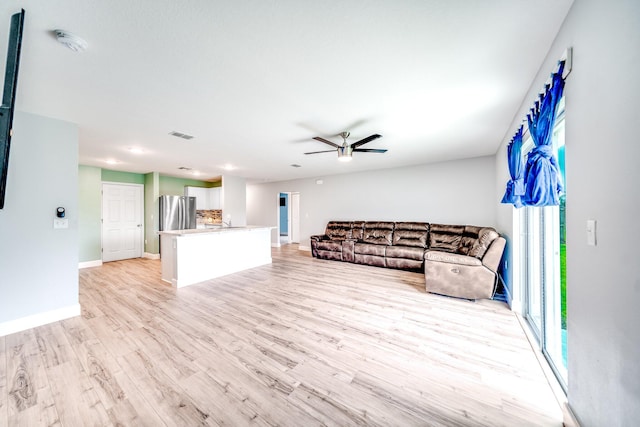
<point x="9" y="98"/>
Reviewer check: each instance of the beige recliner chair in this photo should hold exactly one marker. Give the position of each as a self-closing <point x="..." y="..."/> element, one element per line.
<point x="462" y="261"/>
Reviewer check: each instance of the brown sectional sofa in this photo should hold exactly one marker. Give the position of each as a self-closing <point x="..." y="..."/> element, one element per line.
<point x="458" y="260"/>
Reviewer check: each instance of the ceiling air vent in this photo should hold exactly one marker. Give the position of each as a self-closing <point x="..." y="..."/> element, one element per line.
<point x="180" y="135"/>
<point x="295" y="166"/>
<point x="184" y="168"/>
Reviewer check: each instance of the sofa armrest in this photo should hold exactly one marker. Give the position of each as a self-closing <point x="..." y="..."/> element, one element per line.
<point x="450" y="258"/>
<point x="314" y="243"/>
<point x="348" y="250"/>
<point x="492" y="257"/>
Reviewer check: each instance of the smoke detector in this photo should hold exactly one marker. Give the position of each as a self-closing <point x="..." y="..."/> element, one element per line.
<point x="73" y="42"/>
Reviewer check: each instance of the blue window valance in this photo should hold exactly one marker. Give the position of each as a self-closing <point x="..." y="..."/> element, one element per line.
<point x="542" y="178"/>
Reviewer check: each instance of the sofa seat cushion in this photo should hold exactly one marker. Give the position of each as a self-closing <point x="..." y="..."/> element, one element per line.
<point x="331" y="255"/>
<point x="406" y="252"/>
<point x="403" y="264"/>
<point x="377" y="261"/>
<point x="451" y="258"/>
<point x="369" y="249"/>
<point x="411" y="234"/>
<point x="329" y="245"/>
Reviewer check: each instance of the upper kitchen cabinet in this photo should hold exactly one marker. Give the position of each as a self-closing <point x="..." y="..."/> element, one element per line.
<point x="201" y="195"/>
<point x="214" y="197"/>
<point x="206" y="198"/>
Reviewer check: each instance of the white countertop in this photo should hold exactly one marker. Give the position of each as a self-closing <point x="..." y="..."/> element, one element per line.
<point x="211" y="230"/>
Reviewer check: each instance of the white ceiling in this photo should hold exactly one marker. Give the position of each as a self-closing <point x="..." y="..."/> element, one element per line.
<point x="254" y="81"/>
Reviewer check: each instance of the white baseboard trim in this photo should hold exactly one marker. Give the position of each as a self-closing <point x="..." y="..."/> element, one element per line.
<point x="35" y="320"/>
<point x="275" y="245"/>
<point x="150" y="255"/>
<point x="87" y="264"/>
<point x="569" y="418"/>
<point x="304" y="248"/>
<point x="516" y="306"/>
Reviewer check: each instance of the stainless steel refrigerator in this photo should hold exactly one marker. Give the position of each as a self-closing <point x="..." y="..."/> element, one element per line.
<point x="177" y="213"/>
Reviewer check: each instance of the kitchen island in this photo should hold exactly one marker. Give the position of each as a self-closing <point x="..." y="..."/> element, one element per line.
<point x="195" y="255"/>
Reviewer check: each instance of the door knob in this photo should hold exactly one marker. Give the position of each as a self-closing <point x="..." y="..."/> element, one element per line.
<point x="139" y="225"/>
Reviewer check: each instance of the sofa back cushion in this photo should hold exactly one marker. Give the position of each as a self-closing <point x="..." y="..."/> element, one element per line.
<point x="486" y="236"/>
<point x="444" y="237"/>
<point x="469" y="238"/>
<point x="338" y="230"/>
<point x="412" y="234"/>
<point x="476" y="240"/>
<point x="378" y="233"/>
<point x="357" y="229"/>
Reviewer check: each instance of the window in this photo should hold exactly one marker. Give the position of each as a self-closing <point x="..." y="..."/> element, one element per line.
<point x="542" y="259"/>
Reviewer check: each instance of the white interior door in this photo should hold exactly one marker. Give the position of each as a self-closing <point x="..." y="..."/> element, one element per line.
<point x="122" y="221"/>
<point x="294" y="218"/>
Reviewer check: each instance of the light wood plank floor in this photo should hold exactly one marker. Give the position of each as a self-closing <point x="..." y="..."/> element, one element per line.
<point x="301" y="342"/>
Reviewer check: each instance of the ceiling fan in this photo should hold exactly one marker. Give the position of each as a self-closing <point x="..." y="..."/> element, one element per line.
<point x="345" y="150"/>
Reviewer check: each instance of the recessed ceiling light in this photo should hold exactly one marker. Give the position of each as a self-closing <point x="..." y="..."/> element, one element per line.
<point x="196" y="173"/>
<point x="73" y="42"/>
<point x="135" y="150"/>
<point x="228" y="167"/>
<point x="111" y="162"/>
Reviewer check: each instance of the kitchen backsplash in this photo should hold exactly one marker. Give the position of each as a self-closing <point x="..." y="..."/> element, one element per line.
<point x="213" y="216"/>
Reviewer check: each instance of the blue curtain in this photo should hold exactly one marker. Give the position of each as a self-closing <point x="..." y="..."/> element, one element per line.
<point x="543" y="182"/>
<point x="515" y="186"/>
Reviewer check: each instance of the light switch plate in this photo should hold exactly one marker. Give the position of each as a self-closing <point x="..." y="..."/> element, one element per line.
<point x="591" y="232"/>
<point x="60" y="223"/>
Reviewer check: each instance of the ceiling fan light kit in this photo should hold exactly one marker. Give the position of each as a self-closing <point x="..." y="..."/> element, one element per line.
<point x="345" y="151"/>
<point x="345" y="154"/>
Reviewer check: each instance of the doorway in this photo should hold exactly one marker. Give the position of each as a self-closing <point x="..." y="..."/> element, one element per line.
<point x="288" y="218"/>
<point x="284" y="218"/>
<point x="542" y="255"/>
<point x="122" y="221"/>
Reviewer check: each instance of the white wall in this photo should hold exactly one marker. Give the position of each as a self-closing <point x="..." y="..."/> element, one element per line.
<point x="602" y="168"/>
<point x="39" y="265"/>
<point x="458" y="192"/>
<point x="233" y="199"/>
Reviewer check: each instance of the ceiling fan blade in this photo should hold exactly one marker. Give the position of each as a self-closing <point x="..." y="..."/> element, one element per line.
<point x="333" y="144"/>
<point x="365" y="140"/>
<point x="326" y="151"/>
<point x="370" y="150"/>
